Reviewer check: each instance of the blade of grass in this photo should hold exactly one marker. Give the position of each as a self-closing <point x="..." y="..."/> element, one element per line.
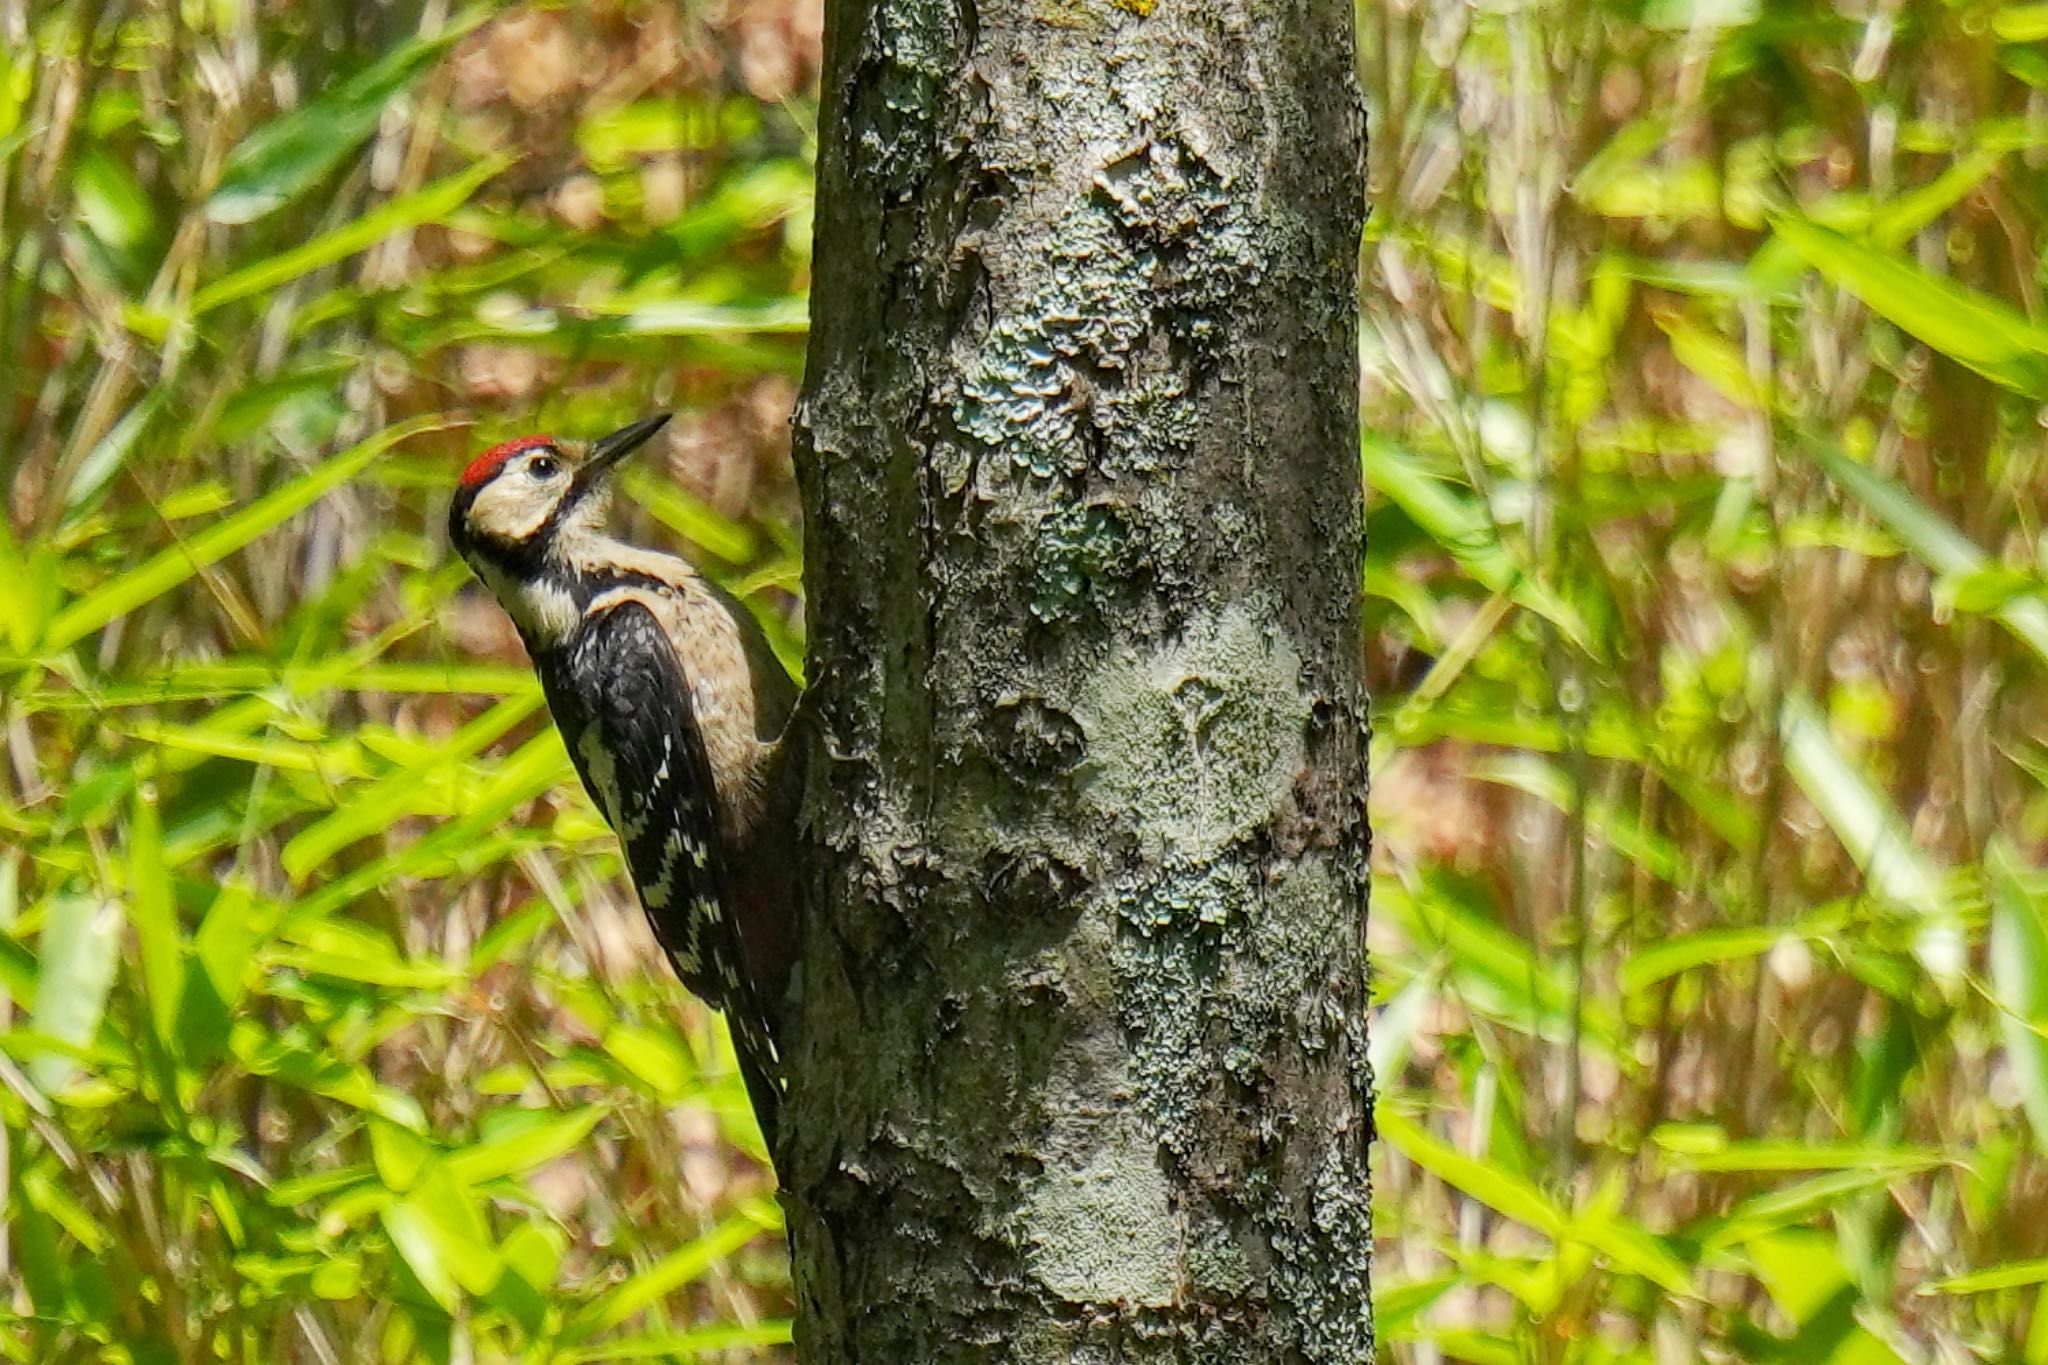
<point x="1931" y="539"/>
<point x="1874" y="835"/>
<point x="430" y="204"/>
<point x="286" y="156"/>
<point x="1974" y="329"/>
<point x="678" y="1268"/>
<point x="164" y="571"/>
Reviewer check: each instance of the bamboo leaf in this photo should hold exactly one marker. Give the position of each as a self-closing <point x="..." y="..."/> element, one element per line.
<point x="154" y="913"/>
<point x="2019" y="976"/>
<point x="1973" y="329"/>
<point x="535" y="1139"/>
<point x="1669" y="957"/>
<point x="77" y="953"/>
<point x="286" y="156"/>
<point x="1874" y="835"/>
<point x="680" y="1267"/>
<point x="2021" y="23"/>
<point x="1488" y="1182"/>
<point x="2012" y="1275"/>
<point x="722" y="1338"/>
<point x="1463" y="531"/>
<point x="426" y="205"/>
<point x="1932" y="540"/>
<point x="165" y="571"/>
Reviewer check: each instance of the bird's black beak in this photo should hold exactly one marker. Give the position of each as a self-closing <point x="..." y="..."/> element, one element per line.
<point x="609" y="450"/>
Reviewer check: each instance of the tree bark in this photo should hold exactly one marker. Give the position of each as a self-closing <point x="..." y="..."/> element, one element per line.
<point x="1079" y="1066"/>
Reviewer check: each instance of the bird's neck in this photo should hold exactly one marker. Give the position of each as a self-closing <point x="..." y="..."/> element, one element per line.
<point x="548" y="596"/>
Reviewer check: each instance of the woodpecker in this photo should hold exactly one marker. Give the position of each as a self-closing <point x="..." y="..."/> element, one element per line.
<point x="673" y="710"/>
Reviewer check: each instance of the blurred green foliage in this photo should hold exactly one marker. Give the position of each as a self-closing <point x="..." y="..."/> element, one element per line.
<point x="327" y="1029"/>
<point x="1706" y="362"/>
<point x="1705" y="369"/>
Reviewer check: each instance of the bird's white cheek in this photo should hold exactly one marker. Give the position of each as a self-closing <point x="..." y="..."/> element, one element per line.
<point x="510" y="512"/>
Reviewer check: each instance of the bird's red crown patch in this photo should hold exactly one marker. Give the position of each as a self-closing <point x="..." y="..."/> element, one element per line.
<point x="485" y="465"/>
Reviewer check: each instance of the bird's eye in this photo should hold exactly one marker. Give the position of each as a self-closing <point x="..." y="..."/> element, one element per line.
<point x="541" y="467"/>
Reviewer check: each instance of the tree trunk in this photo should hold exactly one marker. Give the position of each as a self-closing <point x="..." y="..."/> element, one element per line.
<point x="1079" y="1068"/>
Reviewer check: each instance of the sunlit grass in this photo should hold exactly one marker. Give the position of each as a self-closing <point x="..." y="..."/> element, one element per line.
<point x="1704" y="367"/>
<point x="327" y="1029"/>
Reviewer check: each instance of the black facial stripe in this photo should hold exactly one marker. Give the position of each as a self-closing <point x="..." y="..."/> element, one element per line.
<point x="458" y="517"/>
<point x="526" y="561"/>
<point x="556" y="515"/>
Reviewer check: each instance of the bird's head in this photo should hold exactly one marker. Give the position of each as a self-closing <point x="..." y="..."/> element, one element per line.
<point x="521" y="499"/>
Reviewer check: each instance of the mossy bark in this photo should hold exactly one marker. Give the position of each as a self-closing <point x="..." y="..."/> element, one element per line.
<point x="1079" y="1070"/>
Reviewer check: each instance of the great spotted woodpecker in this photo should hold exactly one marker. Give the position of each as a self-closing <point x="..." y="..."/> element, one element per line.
<point x="672" y="707"/>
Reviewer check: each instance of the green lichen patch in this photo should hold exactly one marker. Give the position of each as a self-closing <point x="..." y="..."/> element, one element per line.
<point x="1081" y="549"/>
<point x="1195" y="744"/>
<point x="1104" y="1229"/>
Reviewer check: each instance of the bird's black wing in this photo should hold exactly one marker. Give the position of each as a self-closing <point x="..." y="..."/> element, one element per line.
<point x="622" y="703"/>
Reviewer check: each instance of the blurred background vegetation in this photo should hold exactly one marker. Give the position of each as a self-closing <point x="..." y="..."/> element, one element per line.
<point x="1706" y="378"/>
<point x="1706" y="384"/>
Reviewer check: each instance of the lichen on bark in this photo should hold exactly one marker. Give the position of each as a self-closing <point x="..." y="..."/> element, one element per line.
<point x="1079" y="1071"/>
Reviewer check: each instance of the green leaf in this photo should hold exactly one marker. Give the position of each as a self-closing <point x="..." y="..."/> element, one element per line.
<point x="690" y="518"/>
<point x="353" y="952"/>
<point x="692" y="317"/>
<point x="1628" y="1247"/>
<point x="2012" y="1275"/>
<point x="1974" y="329"/>
<point x="34" y="590"/>
<point x="652" y="1056"/>
<point x="217" y="974"/>
<point x="1713" y="358"/>
<point x="372" y="810"/>
<point x="2019" y="977"/>
<point x="1489" y="1182"/>
<point x="1488" y="967"/>
<point x="113" y="205"/>
<point x="678" y="1268"/>
<point x="534" y="1139"/>
<point x="1984" y="591"/>
<point x="439" y="1225"/>
<point x="1719" y="1154"/>
<point x="337" y="1280"/>
<point x="1874" y="835"/>
<point x="77" y="953"/>
<point x="67" y="1213"/>
<point x="1464" y="532"/>
<point x="1933" y="541"/>
<point x="538" y="765"/>
<point x="294" y="1063"/>
<point x="401" y="1156"/>
<point x="533" y="1251"/>
<point x="702" y="1341"/>
<point x="1801" y="1270"/>
<point x="426" y="205"/>
<point x="1794" y="1202"/>
<point x="167" y="570"/>
<point x="2021" y="23"/>
<point x="42" y="1266"/>
<point x="417" y="1241"/>
<point x="113" y="450"/>
<point x="1666" y="958"/>
<point x="286" y="156"/>
<point x="1616" y="825"/>
<point x="154" y="913"/>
